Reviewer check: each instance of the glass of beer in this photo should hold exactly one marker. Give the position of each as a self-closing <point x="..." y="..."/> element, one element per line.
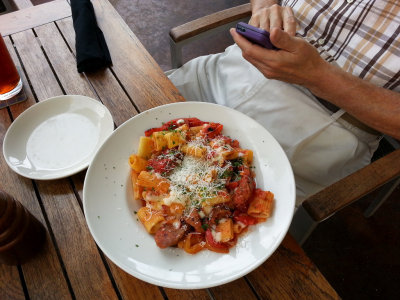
<point x="10" y="81"/>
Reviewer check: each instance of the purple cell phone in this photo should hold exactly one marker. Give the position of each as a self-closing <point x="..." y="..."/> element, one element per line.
<point x="255" y="35"/>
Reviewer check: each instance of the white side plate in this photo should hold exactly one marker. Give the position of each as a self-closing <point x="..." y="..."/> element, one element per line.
<point x="57" y="137"/>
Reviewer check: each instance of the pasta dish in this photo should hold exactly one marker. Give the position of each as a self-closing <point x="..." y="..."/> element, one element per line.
<point x="196" y="186"/>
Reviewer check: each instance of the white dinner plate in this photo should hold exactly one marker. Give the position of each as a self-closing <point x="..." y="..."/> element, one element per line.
<point x="57" y="137"/>
<point x="110" y="209"/>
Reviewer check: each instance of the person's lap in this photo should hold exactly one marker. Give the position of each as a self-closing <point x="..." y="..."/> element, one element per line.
<point x="320" y="149"/>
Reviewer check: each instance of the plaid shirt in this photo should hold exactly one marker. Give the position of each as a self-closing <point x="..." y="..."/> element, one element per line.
<point x="360" y="36"/>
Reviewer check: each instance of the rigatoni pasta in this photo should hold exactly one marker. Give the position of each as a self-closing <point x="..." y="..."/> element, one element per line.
<point x="197" y="186"/>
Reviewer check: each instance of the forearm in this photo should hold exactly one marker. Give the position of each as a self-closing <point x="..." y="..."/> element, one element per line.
<point x="257" y="4"/>
<point x="377" y="107"/>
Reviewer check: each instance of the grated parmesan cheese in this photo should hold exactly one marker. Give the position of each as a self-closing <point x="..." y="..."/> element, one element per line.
<point x="196" y="179"/>
<point x="216" y="235"/>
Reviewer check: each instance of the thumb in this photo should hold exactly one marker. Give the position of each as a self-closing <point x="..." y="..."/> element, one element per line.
<point x="283" y="40"/>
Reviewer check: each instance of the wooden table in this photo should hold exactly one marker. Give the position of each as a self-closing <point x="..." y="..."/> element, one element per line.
<point x="71" y="266"/>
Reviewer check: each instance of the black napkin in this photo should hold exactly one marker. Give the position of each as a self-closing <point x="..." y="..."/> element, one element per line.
<point x="91" y="49"/>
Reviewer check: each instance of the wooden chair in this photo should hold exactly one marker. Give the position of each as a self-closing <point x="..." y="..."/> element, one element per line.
<point x="383" y="172"/>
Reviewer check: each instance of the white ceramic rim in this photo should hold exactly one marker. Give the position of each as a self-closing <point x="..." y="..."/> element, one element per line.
<point x="106" y="122"/>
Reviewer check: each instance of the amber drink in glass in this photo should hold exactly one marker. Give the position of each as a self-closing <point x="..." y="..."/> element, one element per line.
<point x="10" y="81"/>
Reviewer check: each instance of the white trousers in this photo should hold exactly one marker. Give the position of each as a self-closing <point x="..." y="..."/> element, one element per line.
<point x="321" y="147"/>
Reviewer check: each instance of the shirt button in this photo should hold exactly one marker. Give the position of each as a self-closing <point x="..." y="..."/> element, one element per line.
<point x="350" y="1"/>
<point x="321" y="41"/>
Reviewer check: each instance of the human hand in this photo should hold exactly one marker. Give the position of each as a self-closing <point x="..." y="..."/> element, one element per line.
<point x="296" y="62"/>
<point x="274" y="16"/>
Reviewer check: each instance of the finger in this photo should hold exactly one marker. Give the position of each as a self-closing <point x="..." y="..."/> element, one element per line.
<point x="283" y="40"/>
<point x="242" y="42"/>
<point x="255" y="21"/>
<point x="254" y="54"/>
<point x="275" y="18"/>
<point x="289" y="21"/>
<point x="264" y="22"/>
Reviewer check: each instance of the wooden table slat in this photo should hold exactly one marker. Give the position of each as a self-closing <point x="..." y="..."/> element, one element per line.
<point x="129" y="286"/>
<point x="174" y="294"/>
<point x="36" y="276"/>
<point x="106" y="85"/>
<point x="63" y="210"/>
<point x="82" y="261"/>
<point x="290" y="259"/>
<point x="108" y="89"/>
<point x="238" y="289"/>
<point x="133" y="288"/>
<point x="62" y="61"/>
<point x="38" y="70"/>
<point x="10" y="284"/>
<point x="30" y="17"/>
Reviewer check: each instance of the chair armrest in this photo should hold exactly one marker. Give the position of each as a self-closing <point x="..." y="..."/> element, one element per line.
<point x="351" y="188"/>
<point x="209" y="22"/>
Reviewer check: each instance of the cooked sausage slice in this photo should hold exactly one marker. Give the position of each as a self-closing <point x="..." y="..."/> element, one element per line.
<point x="193" y="219"/>
<point x="243" y="192"/>
<point x="169" y="234"/>
<point x="219" y="212"/>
